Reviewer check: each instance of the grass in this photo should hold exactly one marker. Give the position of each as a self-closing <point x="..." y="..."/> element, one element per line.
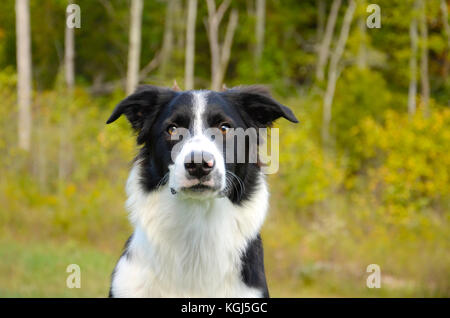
<point x="38" y="269"/>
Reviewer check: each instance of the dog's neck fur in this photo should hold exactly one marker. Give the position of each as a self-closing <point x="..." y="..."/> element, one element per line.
<point x="186" y="247"/>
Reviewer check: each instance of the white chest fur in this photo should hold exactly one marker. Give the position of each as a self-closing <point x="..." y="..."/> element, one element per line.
<point x="187" y="248"/>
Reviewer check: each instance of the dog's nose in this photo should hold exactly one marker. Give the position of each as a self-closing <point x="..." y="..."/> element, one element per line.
<point x="199" y="164"/>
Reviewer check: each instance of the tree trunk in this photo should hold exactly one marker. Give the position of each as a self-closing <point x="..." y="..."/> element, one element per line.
<point x="220" y="53"/>
<point x="425" y="82"/>
<point x="324" y="48"/>
<point x="65" y="147"/>
<point x="190" y="45"/>
<point x="333" y="71"/>
<point x="24" y="79"/>
<point x="167" y="46"/>
<point x="213" y="29"/>
<point x="226" y="46"/>
<point x="69" y="55"/>
<point x="413" y="66"/>
<point x="260" y="28"/>
<point x="134" y="49"/>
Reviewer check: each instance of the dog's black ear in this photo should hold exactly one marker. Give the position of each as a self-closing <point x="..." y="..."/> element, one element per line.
<point x="258" y="105"/>
<point x="142" y="106"/>
<point x="144" y="101"/>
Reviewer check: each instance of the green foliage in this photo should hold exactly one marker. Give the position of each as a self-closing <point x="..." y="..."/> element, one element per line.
<point x="386" y="201"/>
<point x="360" y="93"/>
<point x="308" y="175"/>
<point x="42" y="201"/>
<point x="409" y="158"/>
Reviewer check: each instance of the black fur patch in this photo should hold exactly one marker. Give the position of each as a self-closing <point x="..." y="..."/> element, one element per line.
<point x="125" y="253"/>
<point x="252" y="270"/>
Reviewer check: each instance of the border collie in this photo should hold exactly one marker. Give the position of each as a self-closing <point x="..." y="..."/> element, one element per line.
<point x="196" y="216"/>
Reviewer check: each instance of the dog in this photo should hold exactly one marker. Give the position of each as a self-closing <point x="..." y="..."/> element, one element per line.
<point x="196" y="216"/>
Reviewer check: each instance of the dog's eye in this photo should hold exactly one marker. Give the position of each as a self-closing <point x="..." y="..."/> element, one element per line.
<point x="172" y="130"/>
<point x="224" y="128"/>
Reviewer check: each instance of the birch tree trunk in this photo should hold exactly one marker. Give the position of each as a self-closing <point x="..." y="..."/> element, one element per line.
<point x="412" y="92"/>
<point x="213" y="30"/>
<point x="190" y="45"/>
<point x="333" y="71"/>
<point x="167" y="46"/>
<point x="69" y="55"/>
<point x="24" y="79"/>
<point x="324" y="47"/>
<point x="220" y="53"/>
<point x="226" y="46"/>
<point x="425" y="82"/>
<point x="260" y="28"/>
<point x="65" y="147"/>
<point x="134" y="49"/>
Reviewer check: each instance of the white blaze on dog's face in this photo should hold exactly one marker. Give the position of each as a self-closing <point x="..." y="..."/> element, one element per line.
<point x="185" y="136"/>
<point x="198" y="168"/>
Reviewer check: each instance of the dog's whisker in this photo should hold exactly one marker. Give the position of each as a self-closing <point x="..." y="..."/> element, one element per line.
<point x="228" y="186"/>
<point x="238" y="179"/>
<point x="237" y="183"/>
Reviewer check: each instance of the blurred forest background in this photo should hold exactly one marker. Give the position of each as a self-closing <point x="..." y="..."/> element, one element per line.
<point x="364" y="179"/>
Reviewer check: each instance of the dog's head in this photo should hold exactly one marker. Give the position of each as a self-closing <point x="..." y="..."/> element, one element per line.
<point x="188" y="136"/>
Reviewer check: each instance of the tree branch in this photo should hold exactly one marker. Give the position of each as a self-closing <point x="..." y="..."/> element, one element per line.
<point x="222" y="9"/>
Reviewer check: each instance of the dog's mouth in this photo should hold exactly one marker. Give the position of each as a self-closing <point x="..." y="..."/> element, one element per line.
<point x="198" y="188"/>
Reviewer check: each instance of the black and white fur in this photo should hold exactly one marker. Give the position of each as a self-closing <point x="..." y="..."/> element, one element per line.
<point x="194" y="237"/>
